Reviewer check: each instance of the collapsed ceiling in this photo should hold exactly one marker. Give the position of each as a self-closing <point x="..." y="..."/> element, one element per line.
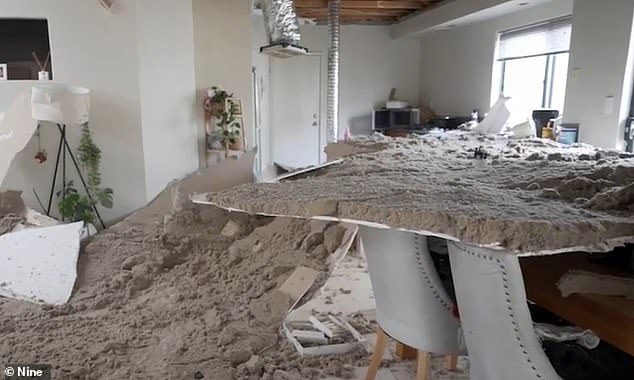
<point x="364" y="11"/>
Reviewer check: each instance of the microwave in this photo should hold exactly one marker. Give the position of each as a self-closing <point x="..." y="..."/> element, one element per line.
<point x="385" y="118"/>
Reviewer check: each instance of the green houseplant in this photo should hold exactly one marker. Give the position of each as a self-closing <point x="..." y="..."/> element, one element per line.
<point x="228" y="130"/>
<point x="75" y="206"/>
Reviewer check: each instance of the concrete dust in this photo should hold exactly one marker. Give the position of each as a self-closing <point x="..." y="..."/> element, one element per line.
<point x="179" y="300"/>
<point x="532" y="195"/>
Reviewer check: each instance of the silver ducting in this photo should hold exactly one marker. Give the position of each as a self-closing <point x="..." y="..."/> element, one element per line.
<point x="282" y="27"/>
<point x="332" y="110"/>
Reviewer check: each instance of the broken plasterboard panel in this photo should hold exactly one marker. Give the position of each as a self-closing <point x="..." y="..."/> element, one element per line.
<point x="40" y="264"/>
<point x="223" y="175"/>
<point x="608" y="244"/>
<point x="11" y="203"/>
<point x="298" y="284"/>
<point x="577" y="281"/>
<point x="16" y="129"/>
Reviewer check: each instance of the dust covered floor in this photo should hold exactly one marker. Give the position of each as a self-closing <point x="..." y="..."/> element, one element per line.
<point x="180" y="300"/>
<point x="532" y="196"/>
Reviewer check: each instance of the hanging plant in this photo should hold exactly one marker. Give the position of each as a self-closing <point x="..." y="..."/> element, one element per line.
<point x="74" y="206"/>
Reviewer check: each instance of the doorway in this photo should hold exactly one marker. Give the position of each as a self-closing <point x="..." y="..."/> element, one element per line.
<point x="296" y="88"/>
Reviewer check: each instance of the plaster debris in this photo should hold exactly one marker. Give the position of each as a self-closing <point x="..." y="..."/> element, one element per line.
<point x="536" y="196"/>
<point x="169" y="301"/>
<point x="578" y="281"/>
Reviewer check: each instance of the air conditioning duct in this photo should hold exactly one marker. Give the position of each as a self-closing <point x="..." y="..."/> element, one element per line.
<point x="282" y="27"/>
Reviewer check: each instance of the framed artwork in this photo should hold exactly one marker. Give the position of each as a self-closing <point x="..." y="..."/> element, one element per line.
<point x="237" y="104"/>
<point x="3" y="72"/>
<point x="239" y="123"/>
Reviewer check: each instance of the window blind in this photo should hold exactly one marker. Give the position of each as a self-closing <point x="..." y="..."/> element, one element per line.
<point x="545" y="38"/>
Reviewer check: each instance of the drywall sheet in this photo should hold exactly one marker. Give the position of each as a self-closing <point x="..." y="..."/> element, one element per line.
<point x="40" y="264"/>
<point x="16" y="129"/>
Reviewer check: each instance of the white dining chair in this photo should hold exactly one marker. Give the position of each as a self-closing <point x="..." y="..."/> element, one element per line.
<point x="412" y="305"/>
<point x="496" y="321"/>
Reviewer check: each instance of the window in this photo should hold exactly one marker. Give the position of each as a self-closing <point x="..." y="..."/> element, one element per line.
<point x="532" y="67"/>
<point x="19" y="40"/>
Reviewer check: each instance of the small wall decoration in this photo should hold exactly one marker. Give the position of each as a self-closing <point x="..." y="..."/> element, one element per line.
<point x="3" y="71"/>
<point x="236" y="105"/>
<point x="107" y="4"/>
<point x="43" y="73"/>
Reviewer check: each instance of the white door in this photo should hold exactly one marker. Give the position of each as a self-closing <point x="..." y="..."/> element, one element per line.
<point x="297" y="111"/>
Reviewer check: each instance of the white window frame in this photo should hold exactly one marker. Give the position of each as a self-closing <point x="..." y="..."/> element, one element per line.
<point x="500" y="63"/>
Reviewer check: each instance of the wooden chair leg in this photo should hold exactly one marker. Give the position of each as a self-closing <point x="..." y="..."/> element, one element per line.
<point x="422" y="368"/>
<point x="377" y="355"/>
<point x="452" y="362"/>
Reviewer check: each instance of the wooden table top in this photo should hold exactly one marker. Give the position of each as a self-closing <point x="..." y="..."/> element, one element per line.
<point x="611" y="318"/>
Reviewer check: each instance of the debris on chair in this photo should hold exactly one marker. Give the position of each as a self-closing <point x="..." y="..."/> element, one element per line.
<point x="584" y="338"/>
<point x="577" y="281"/>
<point x="326" y="335"/>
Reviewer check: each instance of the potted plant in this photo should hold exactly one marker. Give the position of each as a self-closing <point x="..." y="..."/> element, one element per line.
<point x="229" y="130"/>
<point x="74" y="206"/>
<point x="216" y="100"/>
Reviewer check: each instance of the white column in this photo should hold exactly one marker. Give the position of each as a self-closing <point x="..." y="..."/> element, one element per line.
<point x="600" y="77"/>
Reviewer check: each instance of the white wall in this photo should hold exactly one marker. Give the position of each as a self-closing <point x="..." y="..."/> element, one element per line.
<point x="600" y="66"/>
<point x="222" y="45"/>
<point x="371" y="64"/>
<point x="457" y="64"/>
<point x="93" y="49"/>
<point x="168" y="100"/>
<point x="262" y="65"/>
<point x="143" y="51"/>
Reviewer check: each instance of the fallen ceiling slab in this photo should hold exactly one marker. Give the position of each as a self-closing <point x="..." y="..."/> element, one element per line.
<point x="535" y="196"/>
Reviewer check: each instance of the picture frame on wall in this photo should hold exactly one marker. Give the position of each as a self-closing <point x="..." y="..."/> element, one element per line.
<point x="239" y="123"/>
<point x="237" y="103"/>
<point x="4" y="75"/>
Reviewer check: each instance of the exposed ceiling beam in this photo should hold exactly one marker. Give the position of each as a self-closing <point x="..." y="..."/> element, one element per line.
<point x="361" y="4"/>
<point x="316" y="12"/>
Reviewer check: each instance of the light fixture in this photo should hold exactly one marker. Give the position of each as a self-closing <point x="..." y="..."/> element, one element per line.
<point x="63" y="106"/>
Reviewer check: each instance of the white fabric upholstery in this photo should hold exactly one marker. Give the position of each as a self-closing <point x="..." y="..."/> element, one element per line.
<point x="412" y="305"/>
<point x="496" y="322"/>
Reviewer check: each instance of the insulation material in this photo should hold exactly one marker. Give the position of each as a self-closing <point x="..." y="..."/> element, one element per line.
<point x="16" y="129"/>
<point x="39" y="265"/>
<point x="577" y="281"/>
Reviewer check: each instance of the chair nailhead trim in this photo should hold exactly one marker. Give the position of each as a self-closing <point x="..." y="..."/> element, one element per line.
<point x="436" y="292"/>
<point x="509" y="304"/>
